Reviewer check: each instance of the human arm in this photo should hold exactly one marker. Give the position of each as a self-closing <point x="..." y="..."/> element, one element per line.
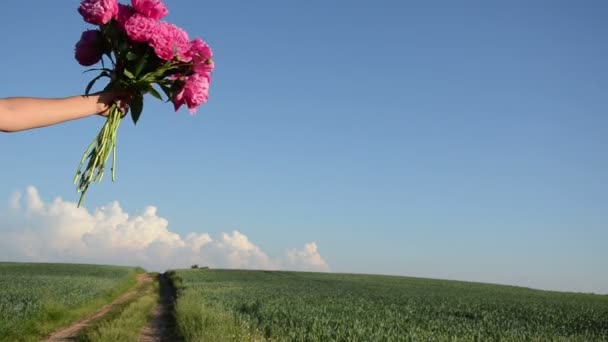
<point x="23" y="113"/>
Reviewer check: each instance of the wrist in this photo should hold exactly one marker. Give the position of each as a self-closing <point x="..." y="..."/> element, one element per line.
<point x="102" y="102"/>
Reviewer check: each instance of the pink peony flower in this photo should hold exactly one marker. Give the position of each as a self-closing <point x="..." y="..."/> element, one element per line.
<point x="199" y="50"/>
<point x="201" y="55"/>
<point x="194" y="93"/>
<point x="204" y="69"/>
<point x="89" y="49"/>
<point x="125" y="12"/>
<point x="98" y="12"/>
<point x="153" y="9"/>
<point x="140" y="28"/>
<point x="170" y="41"/>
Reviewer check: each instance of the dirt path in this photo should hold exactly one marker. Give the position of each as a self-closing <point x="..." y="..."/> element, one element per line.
<point x="70" y="333"/>
<point x="162" y="325"/>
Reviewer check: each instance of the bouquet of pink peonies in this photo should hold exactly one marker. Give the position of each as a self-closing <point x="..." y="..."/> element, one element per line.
<point x="144" y="52"/>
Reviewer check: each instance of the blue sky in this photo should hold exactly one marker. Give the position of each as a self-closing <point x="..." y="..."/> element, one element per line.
<point x="464" y="141"/>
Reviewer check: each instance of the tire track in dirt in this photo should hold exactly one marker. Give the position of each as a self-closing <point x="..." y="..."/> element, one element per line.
<point x="162" y="323"/>
<point x="71" y="332"/>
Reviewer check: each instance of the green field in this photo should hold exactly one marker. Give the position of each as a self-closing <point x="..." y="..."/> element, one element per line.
<point x="218" y="305"/>
<point x="37" y="298"/>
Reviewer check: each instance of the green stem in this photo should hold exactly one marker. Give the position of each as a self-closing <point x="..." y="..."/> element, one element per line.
<point x="98" y="153"/>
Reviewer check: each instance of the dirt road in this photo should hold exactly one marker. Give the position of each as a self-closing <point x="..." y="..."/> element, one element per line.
<point x="162" y="325"/>
<point x="70" y="333"/>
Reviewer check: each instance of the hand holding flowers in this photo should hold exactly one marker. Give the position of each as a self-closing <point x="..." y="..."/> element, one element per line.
<point x="147" y="56"/>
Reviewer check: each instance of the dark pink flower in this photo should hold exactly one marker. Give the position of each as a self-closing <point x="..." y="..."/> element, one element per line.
<point x="199" y="50"/>
<point x="125" y="12"/>
<point x="193" y="94"/>
<point x="205" y="69"/>
<point x="140" y="28"/>
<point x="153" y="9"/>
<point x="170" y="41"/>
<point x="89" y="49"/>
<point x="201" y="55"/>
<point x="98" y="12"/>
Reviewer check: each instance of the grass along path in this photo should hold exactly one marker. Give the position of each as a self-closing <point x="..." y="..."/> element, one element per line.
<point x="126" y="322"/>
<point x="146" y="317"/>
<point x="162" y="324"/>
<point x="39" y="298"/>
<point x="73" y="331"/>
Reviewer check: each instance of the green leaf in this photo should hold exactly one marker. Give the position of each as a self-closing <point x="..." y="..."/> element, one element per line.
<point x="128" y="74"/>
<point x="137" y="105"/>
<point x="123" y="45"/>
<point x="166" y="89"/>
<point x="154" y="93"/>
<point x="141" y="64"/>
<point x="167" y="92"/>
<point x="97" y="69"/>
<point x="131" y="56"/>
<point x="90" y="85"/>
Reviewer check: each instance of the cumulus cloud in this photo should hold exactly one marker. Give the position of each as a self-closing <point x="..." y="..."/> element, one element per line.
<point x="57" y="231"/>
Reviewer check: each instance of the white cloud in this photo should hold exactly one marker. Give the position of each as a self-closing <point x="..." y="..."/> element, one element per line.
<point x="58" y="231"/>
<point x="307" y="259"/>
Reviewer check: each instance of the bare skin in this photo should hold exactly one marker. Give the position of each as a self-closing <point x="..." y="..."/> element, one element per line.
<point x="23" y="113"/>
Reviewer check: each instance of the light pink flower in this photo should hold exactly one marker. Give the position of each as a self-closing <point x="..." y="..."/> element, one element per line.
<point x="125" y="12"/>
<point x="88" y="50"/>
<point x="154" y="9"/>
<point x="170" y="41"/>
<point x="193" y="94"/>
<point x="140" y="28"/>
<point x="98" y="12"/>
